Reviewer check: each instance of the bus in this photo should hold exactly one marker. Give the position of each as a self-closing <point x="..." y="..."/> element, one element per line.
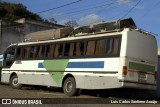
<point x="1" y="64"/>
<point x="1" y="61"/>
<point x="104" y="55"/>
<point x="158" y="74"/>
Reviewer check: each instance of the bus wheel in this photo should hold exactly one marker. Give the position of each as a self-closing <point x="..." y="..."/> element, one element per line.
<point x="14" y="82"/>
<point x="69" y="87"/>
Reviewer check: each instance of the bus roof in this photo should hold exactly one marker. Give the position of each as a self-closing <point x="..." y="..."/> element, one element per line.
<point x="70" y="38"/>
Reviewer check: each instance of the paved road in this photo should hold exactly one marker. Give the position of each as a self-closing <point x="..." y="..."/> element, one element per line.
<point x="87" y="98"/>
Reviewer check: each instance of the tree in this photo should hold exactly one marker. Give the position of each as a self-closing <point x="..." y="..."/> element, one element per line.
<point x="52" y="20"/>
<point x="71" y="23"/>
<point x="15" y="11"/>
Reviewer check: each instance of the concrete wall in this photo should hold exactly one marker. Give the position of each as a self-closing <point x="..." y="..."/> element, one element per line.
<point x="10" y="35"/>
<point x="14" y="32"/>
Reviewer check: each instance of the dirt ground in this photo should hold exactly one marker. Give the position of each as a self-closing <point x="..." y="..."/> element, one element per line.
<point x="88" y="98"/>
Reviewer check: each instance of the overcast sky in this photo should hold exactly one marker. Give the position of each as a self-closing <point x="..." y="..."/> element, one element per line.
<point x="145" y="13"/>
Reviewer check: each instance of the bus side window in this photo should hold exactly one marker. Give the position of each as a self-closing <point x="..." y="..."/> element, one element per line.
<point x="115" y="46"/>
<point x="58" y="50"/>
<point x="18" y="55"/>
<point x="100" y="47"/>
<point x="47" y="51"/>
<point x="72" y="48"/>
<point x="41" y="53"/>
<point x="112" y="46"/>
<point x="24" y="52"/>
<point x="109" y="46"/>
<point x="79" y="49"/>
<point x="90" y="47"/>
<point x="34" y="50"/>
<point x="67" y="49"/>
<point x="9" y="57"/>
<point x="50" y="50"/>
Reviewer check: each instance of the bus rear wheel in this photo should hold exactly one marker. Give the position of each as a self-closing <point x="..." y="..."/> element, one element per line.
<point x="69" y="87"/>
<point x="14" y="82"/>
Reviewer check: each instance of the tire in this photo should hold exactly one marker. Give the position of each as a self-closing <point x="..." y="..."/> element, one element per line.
<point x="14" y="82"/>
<point x="69" y="87"/>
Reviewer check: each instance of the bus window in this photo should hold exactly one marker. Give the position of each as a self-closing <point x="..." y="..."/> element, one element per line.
<point x="79" y="49"/>
<point x="34" y="50"/>
<point x="18" y="54"/>
<point x="52" y="50"/>
<point x="47" y="51"/>
<point x="112" y="46"/>
<point x="24" y="52"/>
<point x="90" y="47"/>
<point x="66" y="49"/>
<point x="9" y="57"/>
<point x="100" y="47"/>
<point x="58" y="50"/>
<point x="69" y="49"/>
<point x="109" y="46"/>
<point x="115" y="46"/>
<point x="41" y="52"/>
<point x="72" y="48"/>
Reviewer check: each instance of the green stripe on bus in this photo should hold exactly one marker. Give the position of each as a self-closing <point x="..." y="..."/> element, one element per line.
<point x="141" y="67"/>
<point x="56" y="65"/>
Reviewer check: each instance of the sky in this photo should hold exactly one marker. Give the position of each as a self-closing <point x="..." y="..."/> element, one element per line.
<point x="145" y="13"/>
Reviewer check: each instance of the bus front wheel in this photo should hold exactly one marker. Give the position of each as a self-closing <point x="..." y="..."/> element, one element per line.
<point x="69" y="87"/>
<point x="14" y="82"/>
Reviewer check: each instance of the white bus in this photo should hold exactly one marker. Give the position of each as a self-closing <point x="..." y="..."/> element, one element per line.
<point x="104" y="55"/>
<point x="1" y="64"/>
<point x="1" y="60"/>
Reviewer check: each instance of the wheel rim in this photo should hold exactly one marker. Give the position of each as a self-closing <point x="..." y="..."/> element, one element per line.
<point x="15" y="82"/>
<point x="69" y="86"/>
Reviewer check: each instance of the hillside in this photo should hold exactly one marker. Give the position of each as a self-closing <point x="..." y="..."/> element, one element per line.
<point x="16" y="11"/>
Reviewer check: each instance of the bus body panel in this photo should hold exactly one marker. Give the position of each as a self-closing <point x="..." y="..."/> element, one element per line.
<point x="140" y="58"/>
<point x="47" y="73"/>
<point x="95" y="72"/>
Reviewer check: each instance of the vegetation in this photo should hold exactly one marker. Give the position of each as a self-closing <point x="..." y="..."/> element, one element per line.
<point x="71" y="23"/>
<point x="15" y="11"/>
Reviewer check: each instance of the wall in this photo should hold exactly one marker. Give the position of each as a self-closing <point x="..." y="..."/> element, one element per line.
<point x="14" y="32"/>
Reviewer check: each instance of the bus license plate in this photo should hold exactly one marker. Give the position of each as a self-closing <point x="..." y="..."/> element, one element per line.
<point x="142" y="77"/>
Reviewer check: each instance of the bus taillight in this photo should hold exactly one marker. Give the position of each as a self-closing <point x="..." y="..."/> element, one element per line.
<point x="124" y="70"/>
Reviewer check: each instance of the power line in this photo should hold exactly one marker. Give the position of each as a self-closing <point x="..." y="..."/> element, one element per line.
<point x="153" y="7"/>
<point x="131" y="9"/>
<point x="112" y="4"/>
<point x="50" y="9"/>
<point x="58" y="7"/>
<point x="77" y="8"/>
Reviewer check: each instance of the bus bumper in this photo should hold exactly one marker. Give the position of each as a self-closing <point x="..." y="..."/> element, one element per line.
<point x="137" y="85"/>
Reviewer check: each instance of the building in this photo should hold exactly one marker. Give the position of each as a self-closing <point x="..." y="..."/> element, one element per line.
<point x="15" y="31"/>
